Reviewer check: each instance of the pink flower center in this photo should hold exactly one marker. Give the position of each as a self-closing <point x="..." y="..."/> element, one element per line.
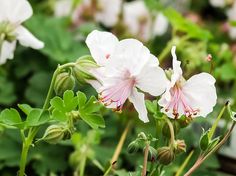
<point x="178" y="103"/>
<point x="118" y="93"/>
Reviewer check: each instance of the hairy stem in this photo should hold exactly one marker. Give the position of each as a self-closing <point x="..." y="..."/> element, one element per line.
<point x="172" y="132"/>
<point x="144" y="170"/>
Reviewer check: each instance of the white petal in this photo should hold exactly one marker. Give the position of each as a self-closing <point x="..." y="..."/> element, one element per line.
<point x="129" y="55"/>
<point x="62" y="8"/>
<point x="152" y="79"/>
<point x="16" y="11"/>
<point x="177" y="71"/>
<point x="138" y="101"/>
<point x="27" y="39"/>
<point x="133" y="12"/>
<point x="110" y="12"/>
<point x="160" y="25"/>
<point x="101" y="45"/>
<point x="7" y="51"/>
<point x="200" y="92"/>
<point x="217" y="3"/>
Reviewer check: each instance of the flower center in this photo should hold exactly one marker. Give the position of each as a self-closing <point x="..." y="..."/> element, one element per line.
<point x="179" y="104"/>
<point x="7" y="31"/>
<point x="117" y="93"/>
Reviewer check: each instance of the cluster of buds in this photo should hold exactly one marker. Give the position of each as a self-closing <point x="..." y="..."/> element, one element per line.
<point x="80" y="71"/>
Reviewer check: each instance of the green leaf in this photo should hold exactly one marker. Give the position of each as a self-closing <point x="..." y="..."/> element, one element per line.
<point x="36" y="117"/>
<point x="10" y="116"/>
<point x="81" y="98"/>
<point x="179" y="23"/>
<point x="92" y="105"/>
<point x="59" y="115"/>
<point x="204" y="141"/>
<point x="7" y="96"/>
<point x="93" y="120"/>
<point x="151" y="106"/>
<point x="57" y="103"/>
<point x="70" y="102"/>
<point x="25" y="108"/>
<point x="226" y="72"/>
<point x="60" y="44"/>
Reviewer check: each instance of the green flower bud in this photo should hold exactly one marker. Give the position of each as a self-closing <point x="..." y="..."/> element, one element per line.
<point x="133" y="147"/>
<point x="82" y="68"/>
<point x="54" y="134"/>
<point x="180" y="146"/>
<point x="165" y="155"/>
<point x="64" y="81"/>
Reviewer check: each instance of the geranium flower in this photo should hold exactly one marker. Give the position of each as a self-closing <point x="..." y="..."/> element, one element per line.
<point x="140" y="23"/>
<point x="194" y="97"/>
<point x="126" y="66"/>
<point x="12" y="14"/>
<point x="218" y="3"/>
<point x="103" y="11"/>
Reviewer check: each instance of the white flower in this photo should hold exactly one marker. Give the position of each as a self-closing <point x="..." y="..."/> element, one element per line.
<point x="160" y="25"/>
<point x="218" y="3"/>
<point x="104" y="11"/>
<point x="232" y="17"/>
<point x="126" y="66"/>
<point x="194" y="97"/>
<point x="62" y="8"/>
<point x="139" y="22"/>
<point x="12" y="14"/>
<point x="137" y="19"/>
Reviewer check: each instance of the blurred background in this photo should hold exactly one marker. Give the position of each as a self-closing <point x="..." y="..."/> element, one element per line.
<point x="197" y="28"/>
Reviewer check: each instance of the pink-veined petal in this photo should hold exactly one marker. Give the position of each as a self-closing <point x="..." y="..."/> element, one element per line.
<point x="101" y="45"/>
<point x="200" y="93"/>
<point x="137" y="98"/>
<point x="129" y="55"/>
<point x="27" y="39"/>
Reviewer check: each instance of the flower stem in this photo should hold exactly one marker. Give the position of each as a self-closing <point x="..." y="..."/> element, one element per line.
<point x="180" y="170"/>
<point x="144" y="170"/>
<point x="172" y="132"/>
<point x="27" y="141"/>
<point x="121" y="143"/>
<point x="203" y="158"/>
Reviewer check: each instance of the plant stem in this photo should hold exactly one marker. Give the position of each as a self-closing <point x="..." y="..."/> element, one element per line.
<point x="120" y="144"/>
<point x="203" y="158"/>
<point x="180" y="170"/>
<point x="82" y="166"/>
<point x="33" y="130"/>
<point x="214" y="126"/>
<point x="165" y="51"/>
<point x="144" y="171"/>
<point x="172" y="132"/>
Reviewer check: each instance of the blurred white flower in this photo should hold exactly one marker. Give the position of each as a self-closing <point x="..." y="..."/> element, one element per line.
<point x="104" y="11"/>
<point x="232" y="17"/>
<point x="160" y="25"/>
<point x="63" y="8"/>
<point x="12" y="14"/>
<point x="218" y="3"/>
<point x="192" y="98"/>
<point x="126" y="66"/>
<point x="140" y="22"/>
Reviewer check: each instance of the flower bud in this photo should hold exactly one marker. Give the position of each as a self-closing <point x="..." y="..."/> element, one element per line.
<point x="64" y="81"/>
<point x="54" y="134"/>
<point x="165" y="155"/>
<point x="133" y="147"/>
<point x="82" y="69"/>
<point x="180" y="146"/>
